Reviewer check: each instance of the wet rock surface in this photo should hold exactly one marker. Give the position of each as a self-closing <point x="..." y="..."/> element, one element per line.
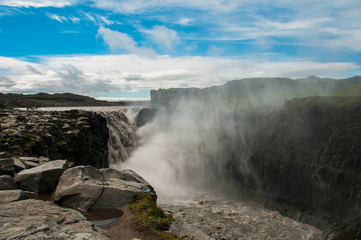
<point x="86" y="187"/>
<point x="78" y="136"/>
<point x="44" y="220"/>
<point x="205" y="217"/>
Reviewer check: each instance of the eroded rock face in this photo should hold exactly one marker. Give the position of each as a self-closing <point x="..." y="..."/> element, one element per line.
<point x="79" y="136"/>
<point x="43" y="178"/>
<point x="44" y="220"/>
<point x="88" y="188"/>
<point x="145" y="116"/>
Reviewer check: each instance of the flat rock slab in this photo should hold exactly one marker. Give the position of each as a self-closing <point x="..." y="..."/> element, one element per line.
<point x="86" y="187"/>
<point x="7" y="196"/>
<point x="36" y="219"/>
<point x="43" y="178"/>
<point x="31" y="159"/>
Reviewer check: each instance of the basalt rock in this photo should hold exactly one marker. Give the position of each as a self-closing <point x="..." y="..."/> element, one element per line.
<point x="36" y="219"/>
<point x="88" y="188"/>
<point x="145" y="115"/>
<point x="43" y="178"/>
<point x="79" y="136"/>
<point x="305" y="154"/>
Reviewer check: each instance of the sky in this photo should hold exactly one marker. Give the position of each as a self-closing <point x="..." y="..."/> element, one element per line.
<point x="121" y="49"/>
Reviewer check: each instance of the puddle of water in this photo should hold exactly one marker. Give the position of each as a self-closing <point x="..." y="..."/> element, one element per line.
<point x="102" y="217"/>
<point x="40" y="196"/>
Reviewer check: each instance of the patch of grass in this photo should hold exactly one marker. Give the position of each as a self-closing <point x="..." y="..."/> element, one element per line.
<point x="149" y="214"/>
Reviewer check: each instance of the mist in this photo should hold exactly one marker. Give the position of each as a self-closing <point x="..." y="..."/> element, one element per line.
<point x="243" y="138"/>
<point x="201" y="144"/>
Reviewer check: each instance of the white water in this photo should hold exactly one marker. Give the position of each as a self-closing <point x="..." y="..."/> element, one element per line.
<point x="180" y="154"/>
<point x="171" y="157"/>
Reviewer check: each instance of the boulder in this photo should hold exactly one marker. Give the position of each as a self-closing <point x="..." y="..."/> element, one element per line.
<point x="79" y="187"/>
<point x="7" y="183"/>
<point x="88" y="188"/>
<point x="43" y="178"/>
<point x="36" y="219"/>
<point x="7" y="166"/>
<point x="121" y="187"/>
<point x="7" y="196"/>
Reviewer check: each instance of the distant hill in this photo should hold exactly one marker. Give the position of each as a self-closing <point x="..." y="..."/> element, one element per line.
<point x="262" y="90"/>
<point x="11" y="100"/>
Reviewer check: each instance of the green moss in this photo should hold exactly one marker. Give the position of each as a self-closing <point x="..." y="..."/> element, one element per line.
<point x="148" y="213"/>
<point x="14" y="140"/>
<point x="9" y="132"/>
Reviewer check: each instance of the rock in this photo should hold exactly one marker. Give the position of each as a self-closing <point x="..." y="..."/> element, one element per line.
<point x="87" y="188"/>
<point x="5" y="155"/>
<point x="145" y="116"/>
<point x="121" y="187"/>
<point x="8" y="196"/>
<point x="79" y="187"/>
<point x="43" y="178"/>
<point x="7" y="166"/>
<point x="38" y="133"/>
<point x="7" y="183"/>
<point x="31" y="159"/>
<point x="185" y="230"/>
<point x="36" y="219"/>
<point x="43" y="160"/>
<point x="19" y="165"/>
<point x="30" y="164"/>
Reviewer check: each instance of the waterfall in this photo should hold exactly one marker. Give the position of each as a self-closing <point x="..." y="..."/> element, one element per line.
<point x="122" y="137"/>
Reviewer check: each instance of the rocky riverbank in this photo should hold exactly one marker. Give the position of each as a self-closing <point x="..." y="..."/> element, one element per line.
<point x="81" y="187"/>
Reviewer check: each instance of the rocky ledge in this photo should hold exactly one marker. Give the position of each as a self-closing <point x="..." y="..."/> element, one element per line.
<point x="80" y="187"/>
<point x="79" y="136"/>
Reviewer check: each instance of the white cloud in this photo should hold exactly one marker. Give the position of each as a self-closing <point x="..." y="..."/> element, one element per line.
<point x="133" y="6"/>
<point x="123" y="42"/>
<point x="185" y="21"/>
<point x="37" y="3"/>
<point x="106" y="20"/>
<point x="163" y="37"/>
<point x="108" y="73"/>
<point x="57" y="17"/>
<point x="74" y="19"/>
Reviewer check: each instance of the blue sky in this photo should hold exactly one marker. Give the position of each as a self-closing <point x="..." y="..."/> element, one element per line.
<point x="121" y="49"/>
